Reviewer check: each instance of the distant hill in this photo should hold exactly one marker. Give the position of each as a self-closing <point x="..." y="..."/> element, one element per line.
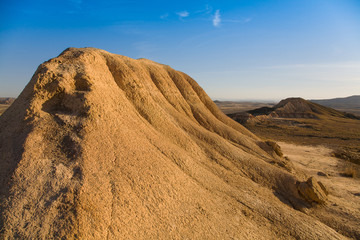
<point x="5" y="103"/>
<point x="6" y="100"/>
<point x="290" y="108"/>
<point x="352" y="101"/>
<point x="303" y="122"/>
<point x="298" y="108"/>
<point x="347" y="104"/>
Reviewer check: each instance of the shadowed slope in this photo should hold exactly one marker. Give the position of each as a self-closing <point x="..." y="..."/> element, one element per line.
<point x="103" y="146"/>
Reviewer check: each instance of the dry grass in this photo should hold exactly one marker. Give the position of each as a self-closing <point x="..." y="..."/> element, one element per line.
<point x="348" y="154"/>
<point x="350" y="170"/>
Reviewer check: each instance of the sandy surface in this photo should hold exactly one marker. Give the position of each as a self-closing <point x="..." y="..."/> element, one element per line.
<point x="315" y="159"/>
<point x="344" y="192"/>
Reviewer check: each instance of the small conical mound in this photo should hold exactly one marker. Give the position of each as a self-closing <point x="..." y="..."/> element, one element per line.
<point x="297" y="108"/>
<point x="101" y="146"/>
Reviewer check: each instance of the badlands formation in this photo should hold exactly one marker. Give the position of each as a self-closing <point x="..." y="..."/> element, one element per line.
<point x="289" y="108"/>
<point x="102" y="146"/>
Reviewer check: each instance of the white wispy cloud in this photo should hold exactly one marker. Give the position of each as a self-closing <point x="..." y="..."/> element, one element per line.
<point x="164" y="16"/>
<point x="217" y="18"/>
<point x="207" y="10"/>
<point x="243" y="20"/>
<point x="208" y="13"/>
<point x="183" y="14"/>
<point x="247" y="20"/>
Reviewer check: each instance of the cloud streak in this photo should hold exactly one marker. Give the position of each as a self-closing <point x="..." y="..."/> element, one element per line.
<point x="217" y="19"/>
<point x="164" y="16"/>
<point x="183" y="14"/>
<point x="244" y="20"/>
<point x="207" y="10"/>
<point x="214" y="16"/>
<point x="247" y="20"/>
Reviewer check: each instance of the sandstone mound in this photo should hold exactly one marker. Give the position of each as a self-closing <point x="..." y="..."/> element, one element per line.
<point x="289" y="108"/>
<point x="101" y="146"/>
<point x="297" y="108"/>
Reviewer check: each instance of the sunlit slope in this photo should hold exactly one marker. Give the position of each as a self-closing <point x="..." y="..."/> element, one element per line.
<point x="103" y="146"/>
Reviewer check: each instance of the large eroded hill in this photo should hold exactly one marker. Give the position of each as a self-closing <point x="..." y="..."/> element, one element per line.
<point x="101" y="146"/>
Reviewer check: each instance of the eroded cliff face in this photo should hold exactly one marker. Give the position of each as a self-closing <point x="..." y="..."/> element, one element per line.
<point x="100" y="146"/>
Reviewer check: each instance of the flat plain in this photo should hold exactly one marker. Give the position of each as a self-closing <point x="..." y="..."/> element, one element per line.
<point x="233" y="106"/>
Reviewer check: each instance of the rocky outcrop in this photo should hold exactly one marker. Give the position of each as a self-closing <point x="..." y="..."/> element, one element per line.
<point x="313" y="191"/>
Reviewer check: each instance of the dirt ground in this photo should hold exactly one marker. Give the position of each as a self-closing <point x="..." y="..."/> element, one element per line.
<point x="344" y="192"/>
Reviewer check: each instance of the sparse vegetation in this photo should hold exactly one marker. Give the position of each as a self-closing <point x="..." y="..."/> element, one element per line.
<point x="351" y="170"/>
<point x="336" y="133"/>
<point x="348" y="154"/>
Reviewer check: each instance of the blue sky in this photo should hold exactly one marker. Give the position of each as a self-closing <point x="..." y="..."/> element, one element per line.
<point x="235" y="49"/>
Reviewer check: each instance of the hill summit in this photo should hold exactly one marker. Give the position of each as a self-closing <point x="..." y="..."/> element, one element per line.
<point x="102" y="146"/>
